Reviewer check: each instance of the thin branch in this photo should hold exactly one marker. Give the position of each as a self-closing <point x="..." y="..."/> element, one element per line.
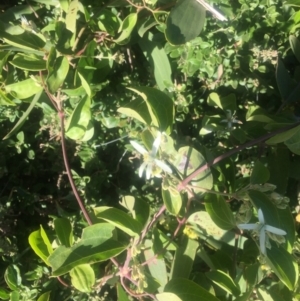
<point x="233" y="151"/>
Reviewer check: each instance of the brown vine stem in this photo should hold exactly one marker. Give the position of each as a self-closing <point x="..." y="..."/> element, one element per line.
<point x="233" y="151"/>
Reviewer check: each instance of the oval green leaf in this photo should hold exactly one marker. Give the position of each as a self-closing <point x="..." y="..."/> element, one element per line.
<point x="83" y="277"/>
<point x="63" y="229"/>
<point x="185" y="22"/>
<point x="119" y="219"/>
<point x="219" y="211"/>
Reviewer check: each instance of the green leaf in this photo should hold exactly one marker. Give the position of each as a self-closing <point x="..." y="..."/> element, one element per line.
<point x="85" y="85"/>
<point x="28" y="62"/>
<point x="185" y="22"/>
<point x="40" y="244"/>
<point x="71" y="16"/>
<point x="157" y="268"/>
<point x="184" y="258"/>
<point x="187" y="161"/>
<point x="172" y="201"/>
<point x="24" y="89"/>
<point x="12" y="277"/>
<point x="293" y="143"/>
<point x="279" y="167"/>
<point x="139" y="209"/>
<point x="284" y="81"/>
<point x="21" y="121"/>
<point x="77" y="123"/>
<point x="137" y="109"/>
<point x="284" y="265"/>
<point x="58" y="75"/>
<point x="83" y="277"/>
<point x="253" y="274"/>
<point x="122" y="296"/>
<point x="224" y="281"/>
<point x="158" y="60"/>
<point x="126" y="28"/>
<point x="26" y="40"/>
<point x="4" y="100"/>
<point x="167" y="297"/>
<point x="219" y="211"/>
<point x="120" y="219"/>
<point x="295" y="45"/>
<point x="97" y="244"/>
<point x="187" y="290"/>
<point x="4" y="294"/>
<point x="108" y="22"/>
<point x="160" y="107"/>
<point x="282" y="137"/>
<point x="44" y="297"/>
<point x="260" y="174"/>
<point x="14" y="296"/>
<point x="63" y="229"/>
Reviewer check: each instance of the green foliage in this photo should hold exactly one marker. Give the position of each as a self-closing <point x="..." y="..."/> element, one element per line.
<point x="202" y="98"/>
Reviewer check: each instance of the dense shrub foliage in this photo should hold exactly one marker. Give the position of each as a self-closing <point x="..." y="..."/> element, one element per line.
<point x="149" y="150"/>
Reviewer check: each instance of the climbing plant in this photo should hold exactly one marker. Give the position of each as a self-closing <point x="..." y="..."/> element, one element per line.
<point x="149" y="150"/>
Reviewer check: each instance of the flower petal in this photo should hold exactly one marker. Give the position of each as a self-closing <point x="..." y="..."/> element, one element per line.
<point x="262" y="240"/>
<point x="275" y="230"/>
<point x="248" y="226"/>
<point x="142" y="168"/>
<point x="138" y="147"/>
<point x="155" y="145"/>
<point x="163" y="166"/>
<point x="149" y="170"/>
<point x="261" y="216"/>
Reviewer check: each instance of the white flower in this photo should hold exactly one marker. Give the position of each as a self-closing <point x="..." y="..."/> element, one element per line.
<point x="261" y="229"/>
<point x="150" y="162"/>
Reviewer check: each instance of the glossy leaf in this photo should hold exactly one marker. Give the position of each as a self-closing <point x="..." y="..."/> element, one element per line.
<point x="284" y="265"/>
<point x="158" y="60"/>
<point x="188" y="160"/>
<point x="157" y="268"/>
<point x="24" y="89"/>
<point x="184" y="258"/>
<point x="29" y="62"/>
<point x="26" y="40"/>
<point x="219" y="211"/>
<point x="44" y="297"/>
<point x="71" y="16"/>
<point x="119" y="219"/>
<point x="172" y="201"/>
<point x="12" y="277"/>
<point x="108" y="22"/>
<point x="282" y="137"/>
<point x="122" y="296"/>
<point x="40" y="244"/>
<point x="139" y="208"/>
<point x="78" y="121"/>
<point x="83" y="277"/>
<point x="295" y="45"/>
<point x="126" y="28"/>
<point x="5" y="100"/>
<point x="97" y="244"/>
<point x="188" y="290"/>
<point x="284" y="81"/>
<point x="58" y="75"/>
<point x="85" y="85"/>
<point x="160" y="107"/>
<point x="167" y="297"/>
<point x="137" y="109"/>
<point x="260" y="174"/>
<point x="63" y="229"/>
<point x="21" y="121"/>
<point x="185" y="22"/>
<point x="224" y="281"/>
<point x="14" y="296"/>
